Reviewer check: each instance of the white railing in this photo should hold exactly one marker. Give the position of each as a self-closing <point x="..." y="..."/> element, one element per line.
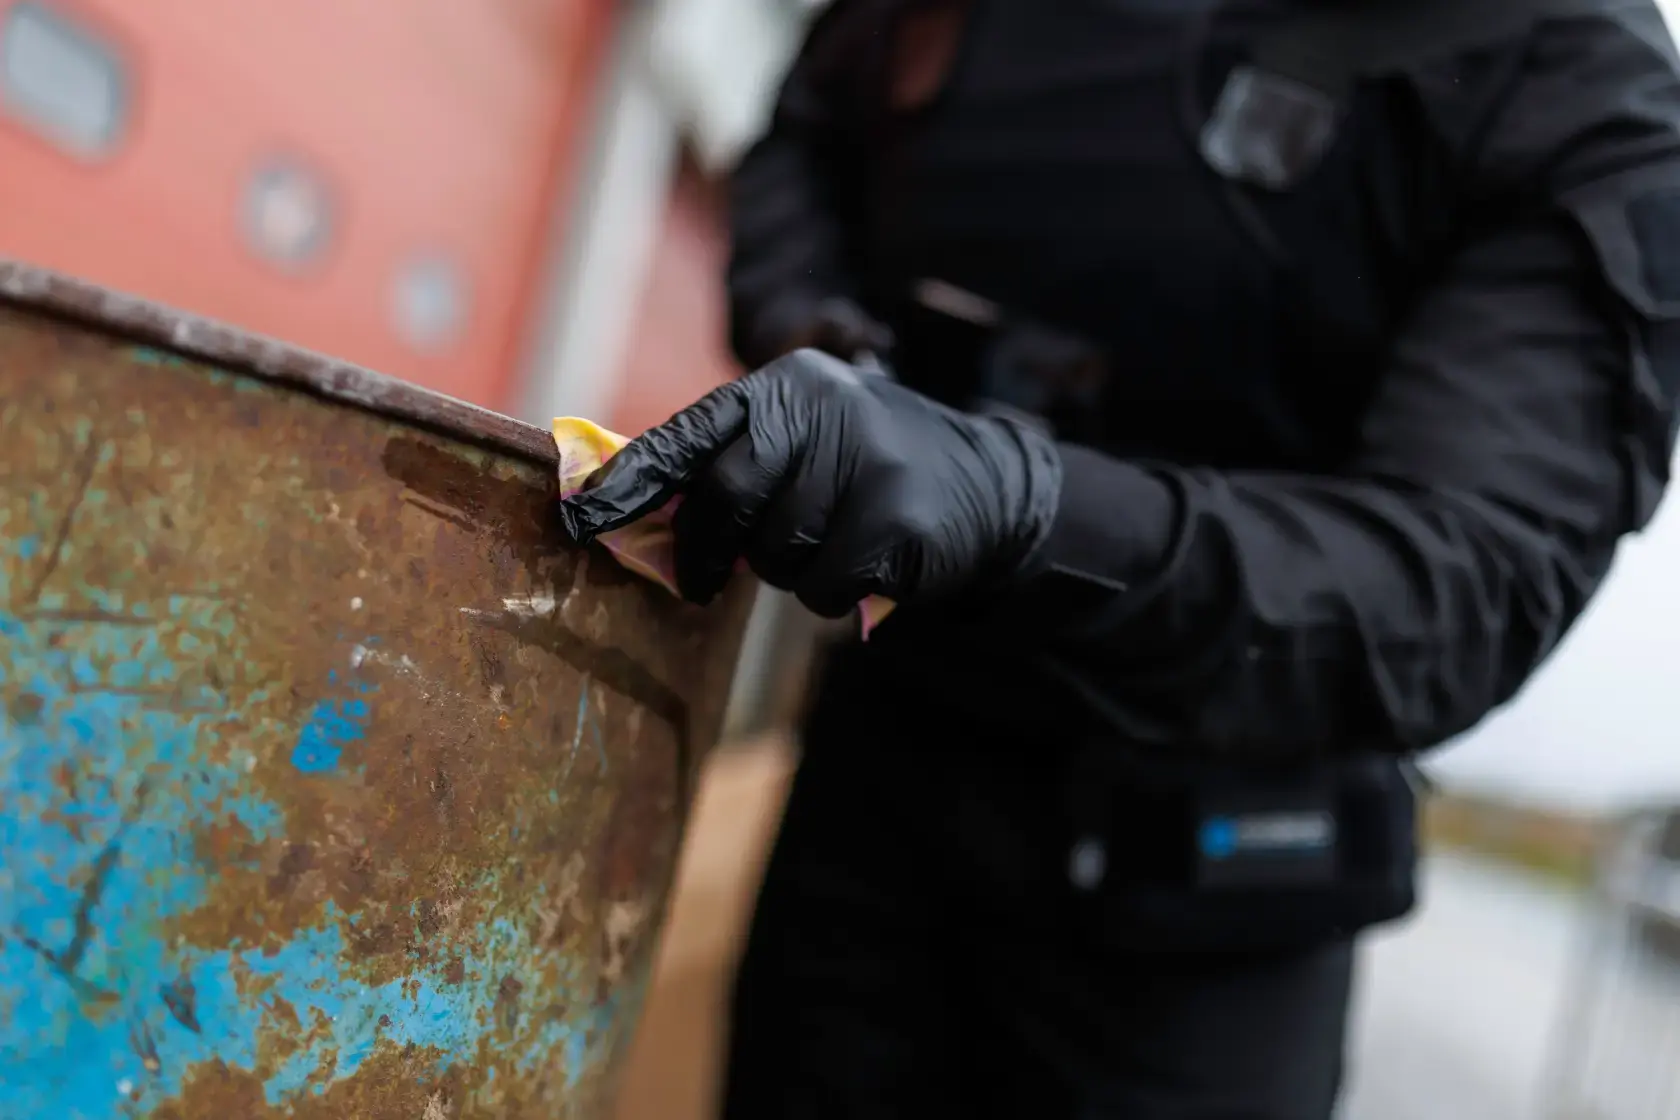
<point x="1616" y="1055"/>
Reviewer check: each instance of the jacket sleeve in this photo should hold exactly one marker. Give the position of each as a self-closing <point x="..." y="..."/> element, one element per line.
<point x="1523" y="426"/>
<point x="792" y="194"/>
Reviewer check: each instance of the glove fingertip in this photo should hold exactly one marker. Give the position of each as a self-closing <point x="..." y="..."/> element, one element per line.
<point x="577" y="522"/>
<point x="602" y="509"/>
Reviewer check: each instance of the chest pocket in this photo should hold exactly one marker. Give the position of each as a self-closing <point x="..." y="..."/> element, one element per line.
<point x="1278" y="113"/>
<point x="1278" y="136"/>
<point x="1267" y="129"/>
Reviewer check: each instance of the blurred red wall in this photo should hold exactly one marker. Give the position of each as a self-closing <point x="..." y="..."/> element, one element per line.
<point x="437" y="129"/>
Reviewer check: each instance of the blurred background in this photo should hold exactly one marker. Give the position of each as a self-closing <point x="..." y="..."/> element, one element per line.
<point x="517" y="202"/>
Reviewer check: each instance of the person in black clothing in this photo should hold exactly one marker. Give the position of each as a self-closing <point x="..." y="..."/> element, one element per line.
<point x="1263" y="390"/>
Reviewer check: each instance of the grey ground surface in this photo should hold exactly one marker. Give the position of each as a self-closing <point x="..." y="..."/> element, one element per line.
<point x="1459" y="1009"/>
<point x="1455" y="1007"/>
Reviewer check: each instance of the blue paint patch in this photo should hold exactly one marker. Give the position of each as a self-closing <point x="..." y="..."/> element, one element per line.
<point x="307" y="974"/>
<point x="121" y="758"/>
<point x="149" y="356"/>
<point x="101" y="793"/>
<point x="333" y="726"/>
<point x="227" y="379"/>
<point x="28" y="548"/>
<point x="585" y="720"/>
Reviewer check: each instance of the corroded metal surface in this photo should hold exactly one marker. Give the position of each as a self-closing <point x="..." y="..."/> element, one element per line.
<point x="140" y="321"/>
<point x="331" y="785"/>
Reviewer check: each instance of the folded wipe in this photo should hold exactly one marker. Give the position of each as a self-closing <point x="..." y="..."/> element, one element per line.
<point x="644" y="547"/>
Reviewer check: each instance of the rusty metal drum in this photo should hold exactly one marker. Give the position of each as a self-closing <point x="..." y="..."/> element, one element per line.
<point x="332" y="784"/>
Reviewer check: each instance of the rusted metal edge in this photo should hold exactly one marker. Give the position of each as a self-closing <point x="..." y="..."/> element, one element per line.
<point x="138" y="320"/>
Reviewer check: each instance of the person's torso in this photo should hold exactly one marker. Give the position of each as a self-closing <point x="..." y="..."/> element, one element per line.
<point x="1044" y="230"/>
<point x="1047" y="233"/>
<point x="1056" y="175"/>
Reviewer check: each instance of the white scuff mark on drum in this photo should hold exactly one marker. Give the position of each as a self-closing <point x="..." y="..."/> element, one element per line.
<point x="405" y="666"/>
<point x="531" y="606"/>
<point x="624" y="923"/>
<point x="578" y="573"/>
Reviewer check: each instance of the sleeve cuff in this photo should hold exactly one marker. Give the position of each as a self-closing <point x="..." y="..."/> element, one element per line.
<point x="1110" y="543"/>
<point x="1115" y="523"/>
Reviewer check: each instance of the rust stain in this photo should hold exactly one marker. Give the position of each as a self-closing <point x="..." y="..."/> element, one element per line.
<point x="43" y="293"/>
<point x="395" y="1081"/>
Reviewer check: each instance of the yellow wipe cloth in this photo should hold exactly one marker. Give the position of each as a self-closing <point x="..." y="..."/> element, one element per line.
<point x="645" y="546"/>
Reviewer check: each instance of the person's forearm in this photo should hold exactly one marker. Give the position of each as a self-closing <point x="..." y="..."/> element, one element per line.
<point x="1277" y="616"/>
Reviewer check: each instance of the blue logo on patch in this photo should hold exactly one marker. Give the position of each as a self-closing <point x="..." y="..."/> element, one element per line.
<point x="1218" y="837"/>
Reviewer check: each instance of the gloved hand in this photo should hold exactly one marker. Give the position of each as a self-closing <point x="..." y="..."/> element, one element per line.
<point x="835" y="485"/>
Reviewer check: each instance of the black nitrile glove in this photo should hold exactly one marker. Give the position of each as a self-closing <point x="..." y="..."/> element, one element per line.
<point x="835" y="485"/>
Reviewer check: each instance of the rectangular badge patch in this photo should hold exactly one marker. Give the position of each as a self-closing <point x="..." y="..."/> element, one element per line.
<point x="1259" y="839"/>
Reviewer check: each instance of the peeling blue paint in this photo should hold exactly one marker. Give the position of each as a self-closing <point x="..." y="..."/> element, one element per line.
<point x="165" y="359"/>
<point x="584" y="721"/>
<point x="114" y="754"/>
<point x="101" y="789"/>
<point x="305" y="973"/>
<point x="150" y="356"/>
<point x="333" y="726"/>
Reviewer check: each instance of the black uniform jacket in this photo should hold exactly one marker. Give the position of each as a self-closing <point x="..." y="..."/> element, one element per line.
<point x="1362" y="424"/>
